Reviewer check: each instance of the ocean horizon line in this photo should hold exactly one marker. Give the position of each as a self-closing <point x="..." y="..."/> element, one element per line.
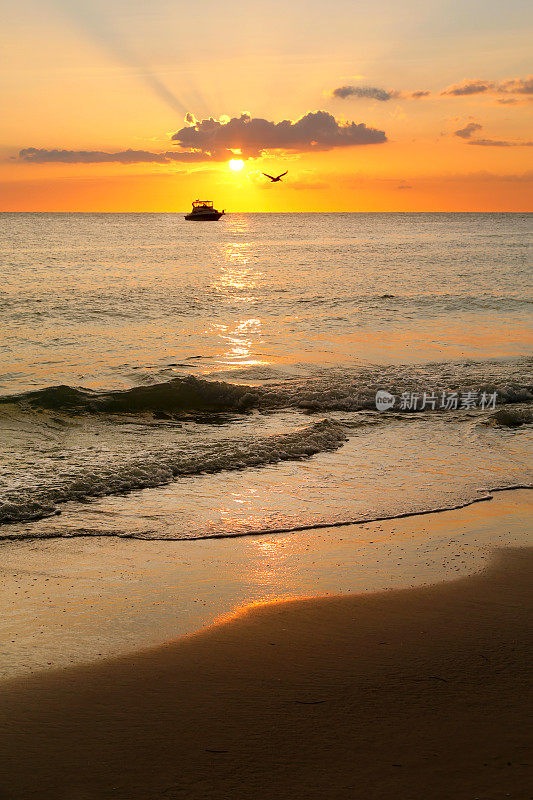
<point x="278" y="213"/>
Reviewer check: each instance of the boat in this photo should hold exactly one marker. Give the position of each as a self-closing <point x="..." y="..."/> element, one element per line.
<point x="202" y="210"/>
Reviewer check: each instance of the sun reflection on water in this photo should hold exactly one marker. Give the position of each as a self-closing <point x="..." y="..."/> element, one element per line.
<point x="236" y="274"/>
<point x="239" y="341"/>
<point x="236" y="288"/>
<point x="270" y="571"/>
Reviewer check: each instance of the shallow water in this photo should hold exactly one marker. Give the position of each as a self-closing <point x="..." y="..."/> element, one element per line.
<point x="115" y="328"/>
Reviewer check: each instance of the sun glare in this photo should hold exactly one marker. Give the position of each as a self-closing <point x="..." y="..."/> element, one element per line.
<point x="236" y="164"/>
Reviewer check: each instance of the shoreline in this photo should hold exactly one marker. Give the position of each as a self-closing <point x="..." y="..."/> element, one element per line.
<point x="82" y="600"/>
<point x="411" y="693"/>
<point x="486" y="495"/>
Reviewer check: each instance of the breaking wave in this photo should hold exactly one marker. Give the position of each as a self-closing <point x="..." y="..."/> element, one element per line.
<point x="512" y="417"/>
<point x="157" y="468"/>
<point x="332" y="391"/>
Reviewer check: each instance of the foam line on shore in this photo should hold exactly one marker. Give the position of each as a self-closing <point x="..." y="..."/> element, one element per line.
<point x="104" y="533"/>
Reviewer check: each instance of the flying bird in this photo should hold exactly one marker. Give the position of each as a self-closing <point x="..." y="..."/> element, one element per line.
<point x="273" y="179"/>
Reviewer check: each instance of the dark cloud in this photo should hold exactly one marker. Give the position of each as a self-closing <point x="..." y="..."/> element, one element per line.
<point x="213" y="140"/>
<point x="35" y="155"/>
<point x="472" y="127"/>
<point x="317" y="130"/>
<point x="498" y="143"/>
<point x="468" y="130"/>
<point x="373" y="93"/>
<point x="517" y="86"/>
<point x="513" y="86"/>
<point x="468" y="87"/>
<point x="367" y="92"/>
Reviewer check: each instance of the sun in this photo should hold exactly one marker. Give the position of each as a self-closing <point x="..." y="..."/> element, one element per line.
<point x="236" y="164"/>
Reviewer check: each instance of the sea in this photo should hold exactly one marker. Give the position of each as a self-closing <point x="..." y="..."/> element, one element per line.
<point x="161" y="379"/>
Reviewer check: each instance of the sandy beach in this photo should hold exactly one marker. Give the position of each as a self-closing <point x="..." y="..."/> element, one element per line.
<point x="69" y="601"/>
<point x="410" y="693"/>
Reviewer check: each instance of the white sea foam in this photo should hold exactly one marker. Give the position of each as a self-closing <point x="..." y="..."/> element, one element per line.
<point x="159" y="467"/>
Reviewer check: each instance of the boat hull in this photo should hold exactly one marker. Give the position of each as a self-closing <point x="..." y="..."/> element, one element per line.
<point x="205" y="217"/>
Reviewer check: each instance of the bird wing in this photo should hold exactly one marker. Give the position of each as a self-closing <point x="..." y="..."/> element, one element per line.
<point x="282" y="174"/>
<point x="268" y="176"/>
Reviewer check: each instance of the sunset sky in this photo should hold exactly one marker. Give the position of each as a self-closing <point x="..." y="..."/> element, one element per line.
<point x="126" y="105"/>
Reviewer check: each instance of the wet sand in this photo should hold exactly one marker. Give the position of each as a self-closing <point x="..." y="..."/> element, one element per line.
<point x="71" y="601"/>
<point x="411" y="694"/>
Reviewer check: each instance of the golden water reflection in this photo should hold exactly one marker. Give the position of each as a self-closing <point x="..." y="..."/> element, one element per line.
<point x="239" y="342"/>
<point x="236" y="274"/>
<point x="270" y="571"/>
<point x="236" y="287"/>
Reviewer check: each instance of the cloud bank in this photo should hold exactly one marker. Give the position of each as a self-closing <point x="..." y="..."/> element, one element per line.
<point x="216" y="140"/>
<point x="508" y="91"/>
<point x="317" y="130"/>
<point x="36" y="155"/>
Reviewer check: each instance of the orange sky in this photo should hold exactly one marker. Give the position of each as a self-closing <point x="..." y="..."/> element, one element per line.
<point x="95" y="80"/>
